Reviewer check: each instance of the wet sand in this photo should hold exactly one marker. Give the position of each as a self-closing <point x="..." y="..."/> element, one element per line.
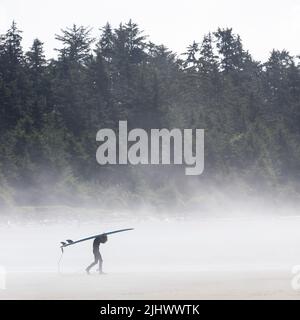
<point x="151" y="285"/>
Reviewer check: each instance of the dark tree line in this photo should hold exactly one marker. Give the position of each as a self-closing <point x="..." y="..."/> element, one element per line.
<point x="51" y="110"/>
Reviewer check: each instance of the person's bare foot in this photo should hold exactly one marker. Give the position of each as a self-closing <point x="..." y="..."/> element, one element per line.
<point x="87" y="271"/>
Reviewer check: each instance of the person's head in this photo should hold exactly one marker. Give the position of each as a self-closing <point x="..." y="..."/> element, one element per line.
<point x="103" y="238"/>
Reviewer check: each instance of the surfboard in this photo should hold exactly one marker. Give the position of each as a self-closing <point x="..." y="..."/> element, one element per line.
<point x="70" y="242"/>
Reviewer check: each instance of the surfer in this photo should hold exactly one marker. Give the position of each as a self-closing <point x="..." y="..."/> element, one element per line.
<point x="96" y="251"/>
<point x="100" y="238"/>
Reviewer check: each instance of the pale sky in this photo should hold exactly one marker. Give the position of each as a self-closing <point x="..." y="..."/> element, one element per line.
<point x="262" y="24"/>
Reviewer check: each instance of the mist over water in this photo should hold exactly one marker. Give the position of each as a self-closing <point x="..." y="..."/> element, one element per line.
<point x="168" y="244"/>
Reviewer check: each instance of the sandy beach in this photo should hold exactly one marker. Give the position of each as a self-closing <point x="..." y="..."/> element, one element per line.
<point x="163" y="285"/>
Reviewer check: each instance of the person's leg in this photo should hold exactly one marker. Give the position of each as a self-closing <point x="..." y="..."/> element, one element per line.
<point x="92" y="264"/>
<point x="100" y="264"/>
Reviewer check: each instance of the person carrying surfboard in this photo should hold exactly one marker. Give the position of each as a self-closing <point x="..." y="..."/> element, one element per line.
<point x="99" y="238"/>
<point x="96" y="251"/>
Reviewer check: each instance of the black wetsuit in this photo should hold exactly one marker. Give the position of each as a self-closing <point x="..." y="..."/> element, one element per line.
<point x="97" y="255"/>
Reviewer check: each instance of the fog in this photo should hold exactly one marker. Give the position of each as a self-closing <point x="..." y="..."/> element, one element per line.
<point x="246" y="254"/>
